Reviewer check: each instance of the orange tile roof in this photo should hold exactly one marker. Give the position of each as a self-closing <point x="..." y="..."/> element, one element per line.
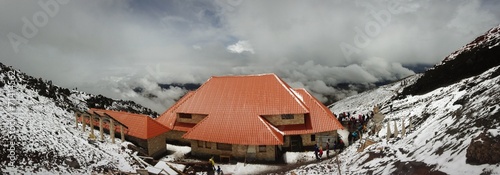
<point x="139" y="126"/>
<point x="320" y="118"/>
<point x="234" y="106"/>
<point x="264" y="94"/>
<point x="183" y="126"/>
<point x="235" y="130"/>
<point x="168" y="117"/>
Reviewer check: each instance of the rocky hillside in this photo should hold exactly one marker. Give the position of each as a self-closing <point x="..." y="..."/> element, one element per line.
<point x="470" y="60"/>
<point x="38" y="132"/>
<point x="65" y="98"/>
<point x="451" y="115"/>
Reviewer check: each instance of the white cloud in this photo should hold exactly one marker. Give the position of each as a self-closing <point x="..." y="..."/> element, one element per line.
<point x="240" y="47"/>
<point x="86" y="43"/>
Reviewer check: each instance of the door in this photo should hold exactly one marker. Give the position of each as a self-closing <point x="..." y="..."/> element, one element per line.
<point x="296" y="143"/>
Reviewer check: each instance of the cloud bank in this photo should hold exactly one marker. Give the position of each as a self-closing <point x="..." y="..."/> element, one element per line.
<point x="109" y="47"/>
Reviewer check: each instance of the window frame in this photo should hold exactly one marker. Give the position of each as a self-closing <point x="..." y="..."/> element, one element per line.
<point x="185" y="116"/>
<point x="287" y="116"/>
<point x="224" y="147"/>
<point x="264" y="147"/>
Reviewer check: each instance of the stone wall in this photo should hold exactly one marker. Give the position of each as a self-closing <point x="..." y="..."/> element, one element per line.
<point x="175" y="137"/>
<point x="276" y="120"/>
<point x="238" y="151"/>
<point x="141" y="143"/>
<point x="320" y="138"/>
<point x="195" y="118"/>
<point x="157" y="145"/>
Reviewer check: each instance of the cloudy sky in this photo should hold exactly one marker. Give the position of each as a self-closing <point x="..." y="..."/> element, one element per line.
<point x="109" y="47"/>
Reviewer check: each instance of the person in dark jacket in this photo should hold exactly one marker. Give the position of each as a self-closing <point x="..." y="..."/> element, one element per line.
<point x="316" y="151"/>
<point x="328" y="149"/>
<point x="341" y="145"/>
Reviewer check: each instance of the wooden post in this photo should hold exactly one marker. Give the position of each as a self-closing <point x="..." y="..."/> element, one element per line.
<point x="396" y="131"/>
<point x="403" y="134"/>
<point x="76" y="119"/>
<point x="100" y="128"/>
<point x="112" y="130"/>
<point x="83" y="123"/>
<point x="121" y="133"/>
<point x="91" y="123"/>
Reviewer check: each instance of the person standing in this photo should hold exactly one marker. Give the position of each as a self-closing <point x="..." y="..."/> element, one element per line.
<point x="316" y="151"/>
<point x="328" y="149"/>
<point x="219" y="171"/>
<point x="320" y="152"/>
<point x="341" y="145"/>
<point x="212" y="162"/>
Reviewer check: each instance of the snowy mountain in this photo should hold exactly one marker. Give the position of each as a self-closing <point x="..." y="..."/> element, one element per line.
<point x="38" y="134"/>
<point x="454" y="109"/>
<point x="65" y="98"/>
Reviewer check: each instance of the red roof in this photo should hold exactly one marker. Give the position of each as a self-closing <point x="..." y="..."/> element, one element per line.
<point x="255" y="94"/>
<point x="139" y="126"/>
<point x="168" y="117"/>
<point x="235" y="130"/>
<point x="320" y="118"/>
<point x="234" y="106"/>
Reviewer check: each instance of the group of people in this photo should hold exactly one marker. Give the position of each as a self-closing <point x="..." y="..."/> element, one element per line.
<point x="217" y="170"/>
<point x="337" y="145"/>
<point x="352" y="121"/>
<point x="356" y="125"/>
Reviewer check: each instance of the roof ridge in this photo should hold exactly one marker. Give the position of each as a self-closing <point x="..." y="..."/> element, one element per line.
<point x="156" y="122"/>
<point x="180" y="101"/>
<point x="325" y="109"/>
<point x="246" y="75"/>
<point x="196" y="125"/>
<point x="149" y="130"/>
<point x="272" y="129"/>
<point x="290" y="90"/>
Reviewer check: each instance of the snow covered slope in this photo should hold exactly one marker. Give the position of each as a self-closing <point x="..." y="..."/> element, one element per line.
<point x="448" y="118"/>
<point x="446" y="121"/>
<point x="65" y="98"/>
<point x="38" y="132"/>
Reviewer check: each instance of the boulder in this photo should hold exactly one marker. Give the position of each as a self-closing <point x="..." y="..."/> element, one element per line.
<point x="484" y="149"/>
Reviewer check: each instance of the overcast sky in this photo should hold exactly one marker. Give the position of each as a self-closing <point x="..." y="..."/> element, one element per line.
<point x="108" y="47"/>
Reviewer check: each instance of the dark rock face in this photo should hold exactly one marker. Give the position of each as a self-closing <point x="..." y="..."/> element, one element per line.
<point x="484" y="149"/>
<point x="475" y="58"/>
<point x="72" y="162"/>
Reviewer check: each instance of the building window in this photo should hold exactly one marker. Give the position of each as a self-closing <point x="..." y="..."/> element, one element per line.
<point x="200" y="144"/>
<point x="262" y="148"/>
<point x="287" y="117"/>
<point x="208" y="145"/>
<point x="225" y="147"/>
<point x="313" y="138"/>
<point x="185" y="116"/>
